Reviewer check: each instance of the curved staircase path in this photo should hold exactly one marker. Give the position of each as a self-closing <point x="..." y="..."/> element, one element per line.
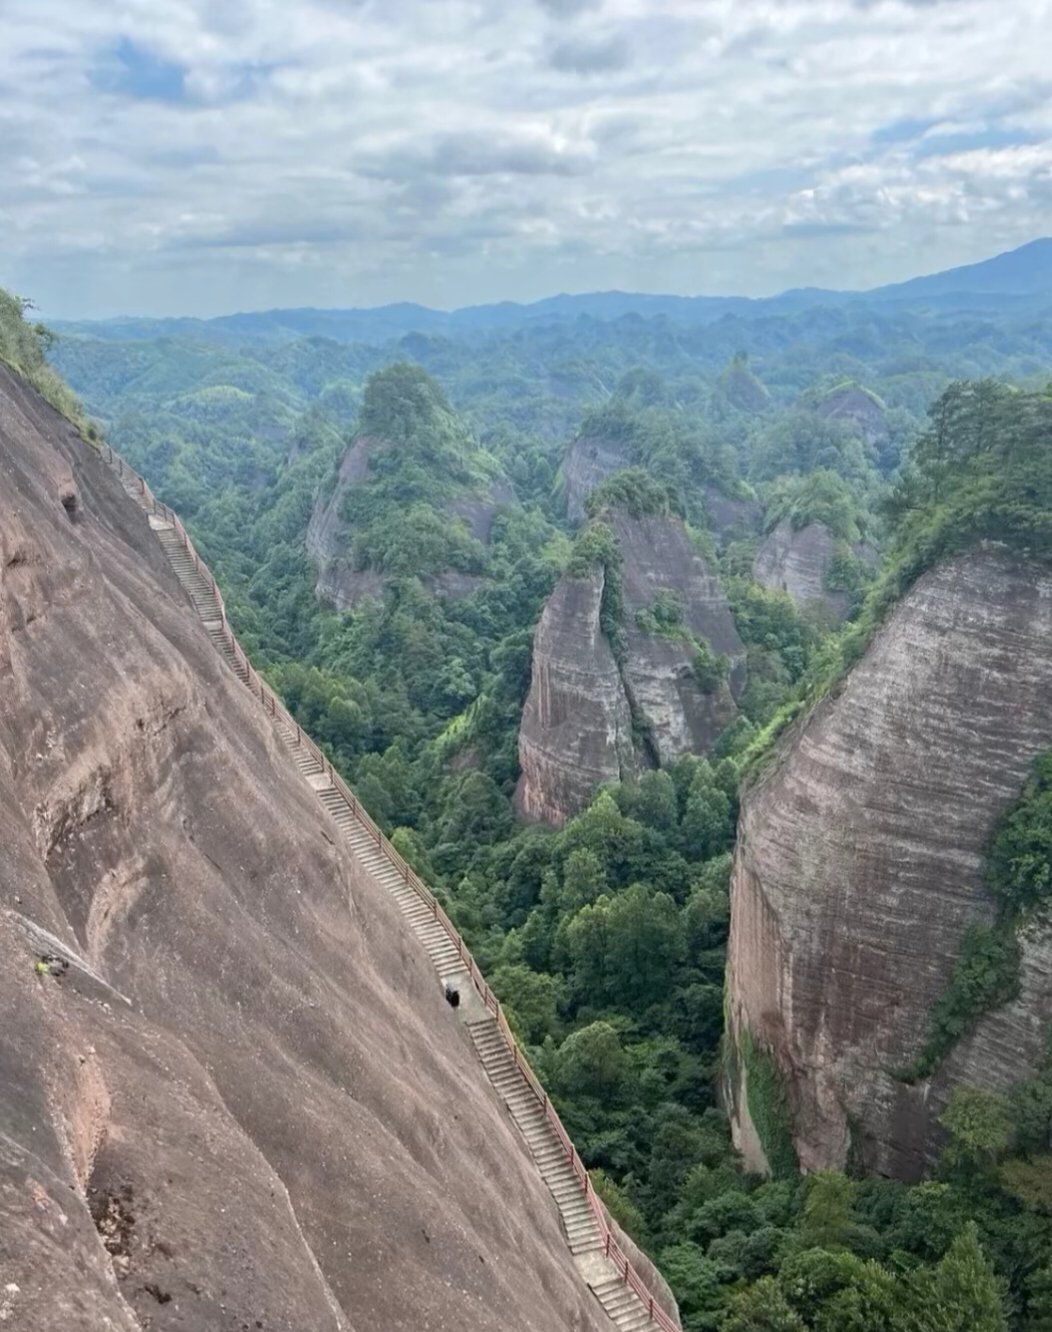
<point x="602" y="1262"/>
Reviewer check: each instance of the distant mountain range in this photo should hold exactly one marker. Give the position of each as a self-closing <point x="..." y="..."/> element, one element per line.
<point x="1013" y="280"/>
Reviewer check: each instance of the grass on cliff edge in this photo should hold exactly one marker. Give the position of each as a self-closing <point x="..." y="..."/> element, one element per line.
<point x="981" y="472"/>
<point x="24" y="348"/>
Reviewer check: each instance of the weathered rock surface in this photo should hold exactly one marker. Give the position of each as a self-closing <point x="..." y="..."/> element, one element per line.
<point x="797" y="561"/>
<point x="591" y="459"/>
<point x="729" y="517"/>
<point x="577" y="726"/>
<point x="330" y="536"/>
<point x="244" y="1103"/>
<point x="576" y="729"/>
<point x="588" y="462"/>
<point x="859" y="410"/>
<point x="859" y="860"/>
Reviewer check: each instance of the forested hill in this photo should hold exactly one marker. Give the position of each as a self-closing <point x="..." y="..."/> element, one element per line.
<point x="995" y="283"/>
<point x="786" y="452"/>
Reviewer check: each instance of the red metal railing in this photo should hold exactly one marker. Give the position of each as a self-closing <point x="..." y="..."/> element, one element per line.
<point x="274" y="706"/>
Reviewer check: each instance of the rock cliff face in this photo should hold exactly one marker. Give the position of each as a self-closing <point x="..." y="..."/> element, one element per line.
<point x="591" y="459"/>
<point x="798" y="562"/>
<point x="235" y="1098"/>
<point x="591" y="716"/>
<point x="588" y="462"/>
<point x="858" y="409"/>
<point x="329" y="536"/>
<point x="858" y="869"/>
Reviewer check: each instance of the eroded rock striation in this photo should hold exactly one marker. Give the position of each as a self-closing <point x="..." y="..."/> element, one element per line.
<point x="589" y="460"/>
<point x="859" y="409"/>
<point x="799" y="561"/>
<point x="598" y="711"/>
<point x="858" y="869"/>
<point x="231" y="1093"/>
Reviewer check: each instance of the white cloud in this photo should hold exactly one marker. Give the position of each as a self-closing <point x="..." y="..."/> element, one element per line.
<point x="178" y="155"/>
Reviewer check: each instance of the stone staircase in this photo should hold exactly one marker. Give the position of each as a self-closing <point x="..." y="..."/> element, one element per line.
<point x="553" y="1161"/>
<point x="625" y="1301"/>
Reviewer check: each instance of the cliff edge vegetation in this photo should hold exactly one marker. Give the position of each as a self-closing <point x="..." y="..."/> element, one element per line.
<point x="980" y="471"/>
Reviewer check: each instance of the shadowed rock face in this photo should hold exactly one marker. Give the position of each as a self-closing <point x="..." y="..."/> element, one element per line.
<point x="859" y="862"/>
<point x="329" y="538"/>
<point x="857" y="409"/>
<point x="588" y="463"/>
<point x="798" y="562"/>
<point x="590" y="460"/>
<point x="242" y="1102"/>
<point x="577" y="725"/>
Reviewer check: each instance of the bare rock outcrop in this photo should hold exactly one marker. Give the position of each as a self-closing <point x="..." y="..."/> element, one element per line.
<point x="231" y="1093"/>
<point x="593" y="715"/>
<point x="858" y="869"/>
<point x="798" y="561"/>
<point x="576" y="729"/>
<point x="857" y="408"/>
<point x="591" y="460"/>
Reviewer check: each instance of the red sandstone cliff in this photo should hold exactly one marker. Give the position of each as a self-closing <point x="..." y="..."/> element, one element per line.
<point x="858" y="868"/>
<point x="240" y="1101"/>
<point x="593" y="715"/>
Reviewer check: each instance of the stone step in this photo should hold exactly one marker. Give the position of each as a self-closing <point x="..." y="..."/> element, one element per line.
<point x="624" y="1303"/>
<point x="638" y="1322"/>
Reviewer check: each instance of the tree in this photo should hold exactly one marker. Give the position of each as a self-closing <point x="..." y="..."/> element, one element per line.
<point x="1039" y="1300"/>
<point x="529" y="1001"/>
<point x="619" y="1205"/>
<point x="583" y="879"/>
<point x="762" y="1307"/>
<point x="706" y="827"/>
<point x="644" y="942"/>
<point x="979" y="1129"/>
<point x="695" y="1279"/>
<point x="961" y="1295"/>
<point x="828" y="1220"/>
<point x="591" y="1062"/>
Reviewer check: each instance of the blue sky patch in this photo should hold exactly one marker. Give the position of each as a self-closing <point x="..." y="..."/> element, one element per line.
<point x="137" y="72"/>
<point x="994" y="136"/>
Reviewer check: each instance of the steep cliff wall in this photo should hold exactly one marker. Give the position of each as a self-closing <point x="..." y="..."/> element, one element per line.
<point x="592" y="715"/>
<point x="859" y="868"/>
<point x="858" y="409"/>
<point x="588" y="462"/>
<point x="798" y="561"/>
<point x="576" y="729"/>
<point x="234" y="1097"/>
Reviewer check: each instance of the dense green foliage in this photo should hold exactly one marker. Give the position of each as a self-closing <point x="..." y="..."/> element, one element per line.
<point x="24" y="347"/>
<point x="768" y="1106"/>
<point x="606" y="939"/>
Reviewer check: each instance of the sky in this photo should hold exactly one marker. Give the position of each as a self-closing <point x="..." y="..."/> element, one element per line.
<point x="206" y="156"/>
